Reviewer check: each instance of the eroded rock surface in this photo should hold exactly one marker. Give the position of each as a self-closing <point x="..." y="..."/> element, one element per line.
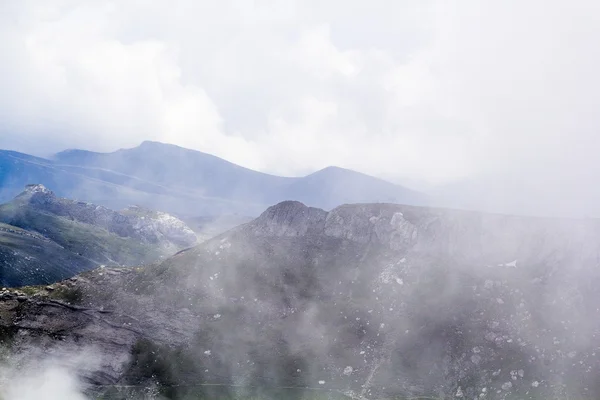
<point x="374" y="300"/>
<point x="150" y="226"/>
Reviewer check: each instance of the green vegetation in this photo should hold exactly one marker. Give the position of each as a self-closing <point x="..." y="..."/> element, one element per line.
<point x="175" y="373"/>
<point x="83" y="239"/>
<point x="33" y="260"/>
<point x="8" y="227"/>
<point x="221" y="392"/>
<point x="30" y="290"/>
<point x="42" y="248"/>
<point x="72" y="295"/>
<point x="162" y="366"/>
<point x="131" y="393"/>
<point x="69" y="294"/>
<point x="7" y="335"/>
<point x="200" y="394"/>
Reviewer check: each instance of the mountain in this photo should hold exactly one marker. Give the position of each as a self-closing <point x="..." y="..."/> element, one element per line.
<point x="18" y="170"/>
<point x="187" y="182"/>
<point x="44" y="238"/>
<point x="366" y="301"/>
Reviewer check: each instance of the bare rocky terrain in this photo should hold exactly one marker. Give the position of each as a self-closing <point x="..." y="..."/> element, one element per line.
<point x="374" y="301"/>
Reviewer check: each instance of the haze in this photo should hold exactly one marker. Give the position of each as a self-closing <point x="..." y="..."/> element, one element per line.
<point x="156" y="271"/>
<point x="425" y="92"/>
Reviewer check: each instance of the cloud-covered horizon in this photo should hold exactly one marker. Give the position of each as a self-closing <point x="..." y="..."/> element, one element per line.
<point x="431" y="91"/>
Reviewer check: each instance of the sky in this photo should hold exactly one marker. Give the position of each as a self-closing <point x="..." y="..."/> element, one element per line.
<point x="427" y="91"/>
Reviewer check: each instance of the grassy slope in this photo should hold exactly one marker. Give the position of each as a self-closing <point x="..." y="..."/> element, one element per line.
<point x="62" y="248"/>
<point x="27" y="259"/>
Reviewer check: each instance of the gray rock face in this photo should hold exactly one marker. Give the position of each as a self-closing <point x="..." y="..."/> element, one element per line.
<point x="368" y="223"/>
<point x="75" y="318"/>
<point x="290" y="218"/>
<point x="472" y="235"/>
<point x="382" y="224"/>
<point x="149" y="226"/>
<point x="376" y="301"/>
<point x="157" y="227"/>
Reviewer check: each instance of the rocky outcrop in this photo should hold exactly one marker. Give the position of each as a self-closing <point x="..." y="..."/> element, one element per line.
<point x="383" y="224"/>
<point x="289" y="218"/>
<point x="148" y="226"/>
<point x="472" y="235"/>
<point x="376" y="301"/>
<point x="157" y="226"/>
<point x="369" y="223"/>
<point x="94" y="315"/>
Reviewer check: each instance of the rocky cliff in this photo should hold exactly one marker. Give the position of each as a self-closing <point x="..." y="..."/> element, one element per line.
<point x="370" y="301"/>
<point x="146" y="225"/>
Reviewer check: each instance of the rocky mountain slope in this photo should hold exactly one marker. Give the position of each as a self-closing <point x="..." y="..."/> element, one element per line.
<point x="372" y="301"/>
<point x="186" y="182"/>
<point x="44" y="238"/>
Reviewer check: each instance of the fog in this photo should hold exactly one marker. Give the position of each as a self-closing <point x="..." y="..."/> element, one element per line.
<point x="50" y="383"/>
<point x="54" y="374"/>
<point x="367" y="301"/>
<point x="482" y="285"/>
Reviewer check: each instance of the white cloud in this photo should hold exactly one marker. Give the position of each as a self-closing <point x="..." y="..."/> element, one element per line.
<point x="50" y="373"/>
<point x="51" y="384"/>
<point x="430" y="90"/>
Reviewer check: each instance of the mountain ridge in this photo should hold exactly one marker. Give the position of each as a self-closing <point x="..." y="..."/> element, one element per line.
<point x="369" y="300"/>
<point x="187" y="182"/>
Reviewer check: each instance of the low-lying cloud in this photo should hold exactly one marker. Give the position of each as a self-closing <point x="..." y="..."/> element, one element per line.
<point x="51" y="374"/>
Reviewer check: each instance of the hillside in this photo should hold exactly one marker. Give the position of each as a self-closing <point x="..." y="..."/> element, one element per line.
<point x="187" y="182"/>
<point x="27" y="257"/>
<point x="44" y="238"/>
<point x="370" y="301"/>
<point x="18" y="170"/>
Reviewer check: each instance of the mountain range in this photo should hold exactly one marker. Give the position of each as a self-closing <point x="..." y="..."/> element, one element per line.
<point x="187" y="182"/>
<point x="312" y="299"/>
<point x="366" y="301"/>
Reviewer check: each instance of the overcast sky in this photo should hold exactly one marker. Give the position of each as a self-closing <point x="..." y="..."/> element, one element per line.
<point x="424" y="91"/>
